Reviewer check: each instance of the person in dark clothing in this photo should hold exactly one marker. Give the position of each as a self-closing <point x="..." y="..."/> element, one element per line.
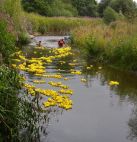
<point x="61" y="43"/>
<point x="39" y="44"/>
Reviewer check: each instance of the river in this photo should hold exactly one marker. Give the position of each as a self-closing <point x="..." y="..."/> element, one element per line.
<point x="100" y="112"/>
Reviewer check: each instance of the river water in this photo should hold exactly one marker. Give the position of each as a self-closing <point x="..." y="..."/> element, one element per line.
<point x="100" y="113"/>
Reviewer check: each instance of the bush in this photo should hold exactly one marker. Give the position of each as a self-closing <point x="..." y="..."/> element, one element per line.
<point x="110" y="15"/>
<point x="23" y="39"/>
<point x="125" y="54"/>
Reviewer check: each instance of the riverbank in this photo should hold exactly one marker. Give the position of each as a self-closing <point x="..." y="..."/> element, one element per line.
<point x="57" y="25"/>
<point x="113" y="44"/>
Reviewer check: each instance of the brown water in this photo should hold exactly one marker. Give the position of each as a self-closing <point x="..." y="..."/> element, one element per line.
<point x="100" y="113"/>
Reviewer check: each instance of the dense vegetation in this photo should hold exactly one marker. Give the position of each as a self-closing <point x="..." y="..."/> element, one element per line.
<point x="114" y="44"/>
<point x="61" y="7"/>
<point x="9" y="108"/>
<point x="10" y="80"/>
<point x="56" y="25"/>
<point x="7" y="41"/>
<point x="78" y="7"/>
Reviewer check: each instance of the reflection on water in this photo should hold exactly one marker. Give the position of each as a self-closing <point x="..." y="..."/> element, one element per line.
<point x="36" y="120"/>
<point x="133" y="125"/>
<point x="100" y="113"/>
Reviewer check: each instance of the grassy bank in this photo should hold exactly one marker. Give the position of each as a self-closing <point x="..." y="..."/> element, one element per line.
<point x="9" y="115"/>
<point x="10" y="81"/>
<point x="9" y="86"/>
<point x="113" y="44"/>
<point x="56" y="25"/>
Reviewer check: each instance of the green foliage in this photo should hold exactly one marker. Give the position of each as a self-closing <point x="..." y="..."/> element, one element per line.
<point x="102" y="6"/>
<point x="55" y="25"/>
<point x="93" y="50"/>
<point x="110" y="15"/>
<point x="9" y="86"/>
<point x="86" y="7"/>
<point x="23" y="39"/>
<point x="115" y="44"/>
<point x="125" y="6"/>
<point x="7" y="41"/>
<point x="39" y="6"/>
<point x="50" y="8"/>
<point x="14" y="9"/>
<point x="42" y="29"/>
<point x="59" y="8"/>
<point x="125" y="54"/>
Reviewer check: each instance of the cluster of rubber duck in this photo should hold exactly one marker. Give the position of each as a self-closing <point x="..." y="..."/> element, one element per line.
<point x="37" y="67"/>
<point x="58" y="84"/>
<point x="54" y="98"/>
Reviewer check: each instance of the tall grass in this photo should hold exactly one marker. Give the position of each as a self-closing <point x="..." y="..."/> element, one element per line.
<point x="7" y="41"/>
<point x="9" y="88"/>
<point x="55" y="25"/>
<point x="13" y="8"/>
<point x="115" y="44"/>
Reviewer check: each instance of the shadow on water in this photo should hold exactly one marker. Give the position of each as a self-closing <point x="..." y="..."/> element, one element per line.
<point x="127" y="90"/>
<point x="35" y="119"/>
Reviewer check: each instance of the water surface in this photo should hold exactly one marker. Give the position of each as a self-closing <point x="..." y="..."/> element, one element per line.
<point x="100" y="113"/>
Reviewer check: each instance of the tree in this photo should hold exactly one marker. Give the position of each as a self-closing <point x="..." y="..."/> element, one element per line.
<point x="50" y="7"/>
<point x="126" y="6"/>
<point x="85" y="7"/>
<point x="39" y="6"/>
<point x="110" y="15"/>
<point x="102" y="6"/>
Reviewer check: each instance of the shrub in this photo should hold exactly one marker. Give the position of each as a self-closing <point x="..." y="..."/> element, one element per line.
<point x="23" y="39"/>
<point x="93" y="49"/>
<point x="110" y="15"/>
<point x="125" y="54"/>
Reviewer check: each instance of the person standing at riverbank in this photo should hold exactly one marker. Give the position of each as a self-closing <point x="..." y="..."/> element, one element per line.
<point x="61" y="43"/>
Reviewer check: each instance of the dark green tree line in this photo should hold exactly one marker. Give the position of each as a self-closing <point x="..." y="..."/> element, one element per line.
<point x="79" y="7"/>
